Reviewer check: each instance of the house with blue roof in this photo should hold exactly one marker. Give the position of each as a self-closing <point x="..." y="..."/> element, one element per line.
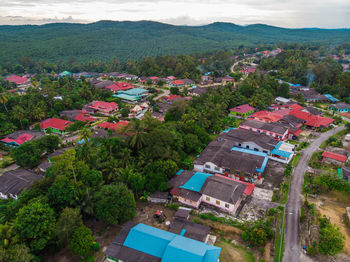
<point x="340" y="107"/>
<point x="132" y="95"/>
<point x="140" y="242"/>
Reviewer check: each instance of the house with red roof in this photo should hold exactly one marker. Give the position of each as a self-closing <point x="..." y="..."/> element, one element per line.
<point x="334" y="157"/>
<point x="19" y="138"/>
<point x="177" y="83"/>
<point x="318" y="121"/>
<point x="300" y="114"/>
<point x="55" y="125"/>
<point x="18" y="80"/>
<point x="83" y="117"/>
<point x="119" y="86"/>
<point x="242" y="110"/>
<point x="172" y="97"/>
<point x="105" y="108"/>
<point x="113" y="126"/>
<point x="266" y="116"/>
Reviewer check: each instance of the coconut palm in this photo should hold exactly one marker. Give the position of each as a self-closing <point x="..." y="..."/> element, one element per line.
<point x="3" y="100"/>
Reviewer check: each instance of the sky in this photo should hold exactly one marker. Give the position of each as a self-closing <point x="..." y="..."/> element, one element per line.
<point x="283" y="13"/>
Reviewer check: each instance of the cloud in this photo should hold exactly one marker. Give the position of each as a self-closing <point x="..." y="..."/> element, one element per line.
<point x="286" y="13"/>
<point x="22" y="20"/>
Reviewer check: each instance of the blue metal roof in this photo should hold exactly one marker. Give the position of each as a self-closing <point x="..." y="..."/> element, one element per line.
<point x="196" y="182"/>
<point x="179" y="172"/>
<point x="332" y="98"/>
<point x="127" y="97"/>
<point x="169" y="246"/>
<point x="147" y="239"/>
<point x="278" y="152"/>
<point x="227" y="130"/>
<point x="134" y="91"/>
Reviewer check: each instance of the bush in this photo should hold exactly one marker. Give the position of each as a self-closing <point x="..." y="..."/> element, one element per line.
<point x="173" y="206"/>
<point x="96" y="246"/>
<point x="331" y="239"/>
<point x="196" y="220"/>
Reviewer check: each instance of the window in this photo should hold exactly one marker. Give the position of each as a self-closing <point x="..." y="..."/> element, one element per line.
<point x="255" y="149"/>
<point x="247" y="147"/>
<point x="239" y="144"/>
<point x="217" y="202"/>
<point x="207" y="166"/>
<point x="265" y="151"/>
<point x="217" y="169"/>
<point x="207" y="198"/>
<point x="227" y="205"/>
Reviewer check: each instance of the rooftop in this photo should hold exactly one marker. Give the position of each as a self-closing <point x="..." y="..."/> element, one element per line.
<point x="242" y="109"/>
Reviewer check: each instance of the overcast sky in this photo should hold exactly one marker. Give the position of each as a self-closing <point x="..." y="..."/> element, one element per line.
<point x="284" y="13"/>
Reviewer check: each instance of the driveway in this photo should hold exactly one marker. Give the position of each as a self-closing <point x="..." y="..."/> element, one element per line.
<point x="292" y="234"/>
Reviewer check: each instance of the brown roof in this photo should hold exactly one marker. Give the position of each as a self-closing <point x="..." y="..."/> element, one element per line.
<point x="194" y="231"/>
<point x="272" y="127"/>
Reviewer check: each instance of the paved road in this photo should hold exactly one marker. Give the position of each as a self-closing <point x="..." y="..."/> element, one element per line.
<point x="292" y="234"/>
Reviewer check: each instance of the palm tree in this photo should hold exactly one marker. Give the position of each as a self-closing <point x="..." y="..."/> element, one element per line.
<point x="3" y="100"/>
<point x="138" y="139"/>
<point x="18" y="113"/>
<point x="85" y="134"/>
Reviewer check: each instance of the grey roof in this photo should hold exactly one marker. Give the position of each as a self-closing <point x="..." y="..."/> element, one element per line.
<point x="182" y="213"/>
<point x="272" y="127"/>
<point x="187" y="81"/>
<point x="194" y="231"/>
<point x="313" y="110"/>
<point x="198" y="90"/>
<point x="44" y="165"/>
<point x="341" y="105"/>
<point x="69" y="114"/>
<point x="118" y="251"/>
<point x="59" y="152"/>
<point x="224" y="189"/>
<point x="13" y="182"/>
<point x="243" y="135"/>
<point x="220" y="154"/>
<point x="103" y="84"/>
<point x="35" y="134"/>
<point x="160" y="195"/>
<point x="346" y="172"/>
<point x="188" y="194"/>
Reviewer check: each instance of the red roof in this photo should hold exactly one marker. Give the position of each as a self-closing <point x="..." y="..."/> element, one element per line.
<point x="297" y="132"/>
<point x="300" y="114"/>
<point x="153" y="77"/>
<point x="84" y="117"/>
<point x="119" y="86"/>
<point x="348" y="148"/>
<point x="171" y="78"/>
<point x="334" y="156"/>
<point x="103" y="106"/>
<point x="266" y="116"/>
<point x="19" y="141"/>
<point x="296" y="107"/>
<point x="172" y="97"/>
<point x="57" y="123"/>
<point x="177" y="82"/>
<point x="17" y="79"/>
<point x="113" y="126"/>
<point x="242" y="109"/>
<point x="317" y="121"/>
<point x="249" y="187"/>
<point x="282" y="112"/>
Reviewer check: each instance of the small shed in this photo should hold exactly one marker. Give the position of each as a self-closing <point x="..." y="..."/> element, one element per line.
<point x="159" y="197"/>
<point x="183" y="213"/>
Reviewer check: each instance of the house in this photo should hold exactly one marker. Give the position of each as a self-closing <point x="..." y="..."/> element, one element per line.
<point x="194" y="188"/>
<point x="222" y="157"/>
<point x="331" y="98"/>
<point x="55" y="125"/>
<point x="159" y="197"/>
<point x="105" y="108"/>
<point x="206" y="79"/>
<point x="275" y="130"/>
<point x="192" y="230"/>
<point x="172" y="97"/>
<point x="65" y="74"/>
<point x="312" y="110"/>
<point x="198" y="91"/>
<point x="281" y="100"/>
<point x="318" y="121"/>
<point x="12" y="183"/>
<point x="334" y="157"/>
<point x="101" y="84"/>
<point x="18" y="80"/>
<point x="132" y="95"/>
<point x="340" y="107"/>
<point x="47" y="163"/>
<point x="225" y="80"/>
<point x="113" y="126"/>
<point x="346" y="173"/>
<point x="276" y="150"/>
<point x="242" y="110"/>
<point x="20" y="137"/>
<point x="187" y="82"/>
<point x="177" y="83"/>
<point x="77" y="115"/>
<point x="139" y="242"/>
<point x="266" y="116"/>
<point x="119" y="86"/>
<point x="183" y="213"/>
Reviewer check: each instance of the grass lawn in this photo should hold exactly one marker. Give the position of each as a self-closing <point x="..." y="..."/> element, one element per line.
<point x="279" y="237"/>
<point x="6" y="161"/>
<point x="231" y="252"/>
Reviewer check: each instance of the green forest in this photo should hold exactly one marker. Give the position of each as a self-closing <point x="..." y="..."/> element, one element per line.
<point x="104" y="40"/>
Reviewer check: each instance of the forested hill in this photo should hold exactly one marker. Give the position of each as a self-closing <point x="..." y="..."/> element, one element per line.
<point x="131" y="40"/>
